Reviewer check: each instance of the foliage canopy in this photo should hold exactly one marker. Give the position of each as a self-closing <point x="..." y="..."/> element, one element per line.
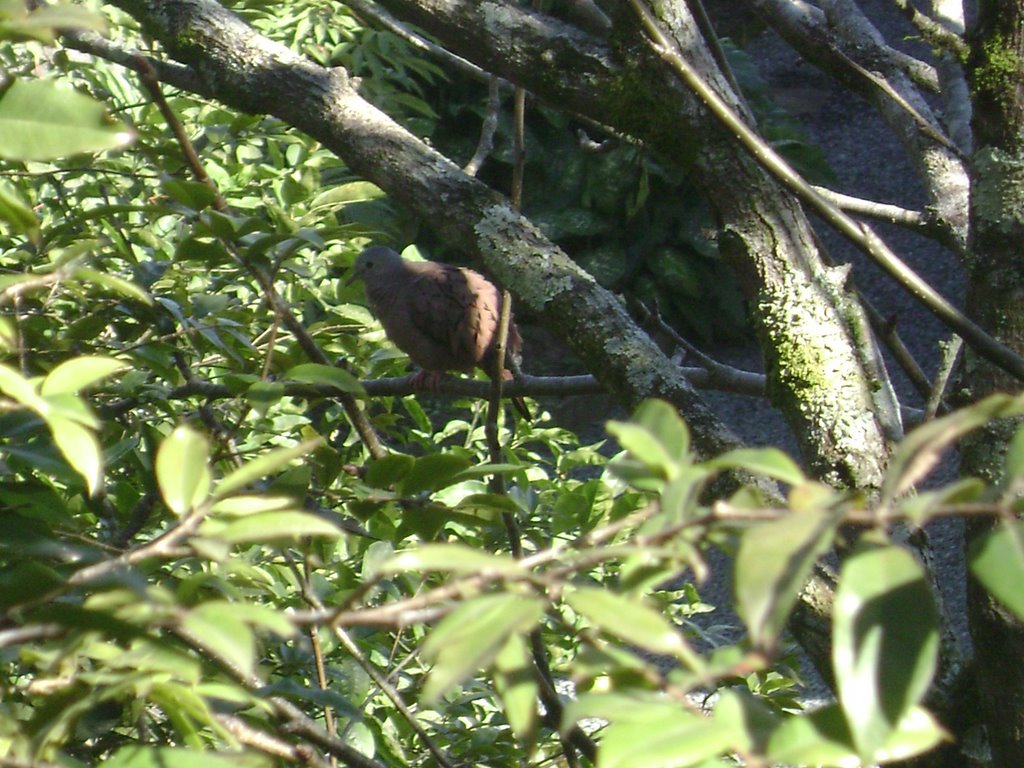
<point x="200" y="561"/>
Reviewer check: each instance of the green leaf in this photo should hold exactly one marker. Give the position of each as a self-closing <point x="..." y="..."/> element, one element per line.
<point x="997" y="559"/>
<point x="223" y="635"/>
<point x="453" y="558"/>
<point x="80" y="449"/>
<point x="73" y="408"/>
<point x="238" y="506"/>
<point x="663" y="420"/>
<point x="631" y="620"/>
<point x="72" y="376"/>
<point x="433" y="472"/>
<point x="44" y="21"/>
<point x="20" y="389"/>
<point x="657" y="437"/>
<point x="183" y="471"/>
<point x="266" y="464"/>
<point x="921" y="450"/>
<point x="1014" y="460"/>
<point x="773" y="563"/>
<point x="8" y="336"/>
<point x="355" y="191"/>
<point x="327" y="375"/>
<point x="885" y="642"/>
<point x="770" y="462"/>
<point x="388" y="471"/>
<point x="516" y="683"/>
<point x="266" y="527"/>
<point x="919" y="508"/>
<point x="472" y="635"/>
<point x="257" y="616"/>
<point x="822" y="738"/>
<point x="917" y="733"/>
<point x="263" y="395"/>
<point x="747" y="718"/>
<point x="663" y="740"/>
<point x="193" y="194"/>
<point x="16" y="212"/>
<point x="114" y="284"/>
<point x="44" y="120"/>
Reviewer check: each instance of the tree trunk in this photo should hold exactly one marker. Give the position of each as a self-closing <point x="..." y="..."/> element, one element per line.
<point x="996" y="302"/>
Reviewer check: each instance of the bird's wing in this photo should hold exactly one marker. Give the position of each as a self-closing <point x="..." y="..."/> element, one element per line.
<point x="445" y="309"/>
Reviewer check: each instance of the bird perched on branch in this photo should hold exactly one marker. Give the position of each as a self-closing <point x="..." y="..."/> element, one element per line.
<point x="445" y="318"/>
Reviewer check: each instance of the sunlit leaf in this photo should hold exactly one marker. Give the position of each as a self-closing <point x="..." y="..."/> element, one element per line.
<point x="44" y="120"/>
<point x="43" y="22"/>
<point x="773" y="564"/>
<point x="433" y="472"/>
<point x="885" y="642"/>
<point x="665" y="740"/>
<point x="472" y="635"/>
<point x="183" y="470"/>
<point x="263" y="395"/>
<point x="113" y="283"/>
<point x="76" y="374"/>
<point x="266" y="527"/>
<point x="770" y="462"/>
<point x="264" y="465"/>
<point x="327" y="375"/>
<point x="223" y="635"/>
<point x="516" y="683"/>
<point x="921" y="450"/>
<point x="822" y="738"/>
<point x="17" y="213"/>
<point x="237" y="506"/>
<point x="631" y="620"/>
<point x="456" y="558"/>
<point x="997" y="559"/>
<point x="80" y="449"/>
<point x="20" y="389"/>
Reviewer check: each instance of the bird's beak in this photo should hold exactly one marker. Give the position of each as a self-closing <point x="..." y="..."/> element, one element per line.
<point x="352" y="278"/>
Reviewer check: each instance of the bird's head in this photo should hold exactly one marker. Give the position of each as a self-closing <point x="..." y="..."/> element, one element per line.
<point x="372" y="261"/>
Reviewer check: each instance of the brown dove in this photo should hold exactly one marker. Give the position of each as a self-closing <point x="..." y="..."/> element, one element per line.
<point x="444" y="318"/>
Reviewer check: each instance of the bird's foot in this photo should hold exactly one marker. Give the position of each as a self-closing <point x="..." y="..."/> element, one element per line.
<point x="428" y="381"/>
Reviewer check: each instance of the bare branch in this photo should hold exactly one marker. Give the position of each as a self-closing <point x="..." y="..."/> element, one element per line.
<point x="487" y="130"/>
<point x="934" y="32"/>
<point x="372" y="11"/>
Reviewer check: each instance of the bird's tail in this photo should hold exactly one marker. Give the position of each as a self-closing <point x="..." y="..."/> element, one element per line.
<point x="517" y="400"/>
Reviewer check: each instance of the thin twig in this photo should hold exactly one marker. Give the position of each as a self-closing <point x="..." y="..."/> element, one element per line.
<point x="268" y="743"/>
<point x="377" y="14"/>
<point x="487" y="130"/>
<point x="886" y="331"/>
<point x="950" y="354"/>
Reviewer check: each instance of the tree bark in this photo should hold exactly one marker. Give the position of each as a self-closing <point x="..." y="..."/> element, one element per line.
<point x="996" y="301"/>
